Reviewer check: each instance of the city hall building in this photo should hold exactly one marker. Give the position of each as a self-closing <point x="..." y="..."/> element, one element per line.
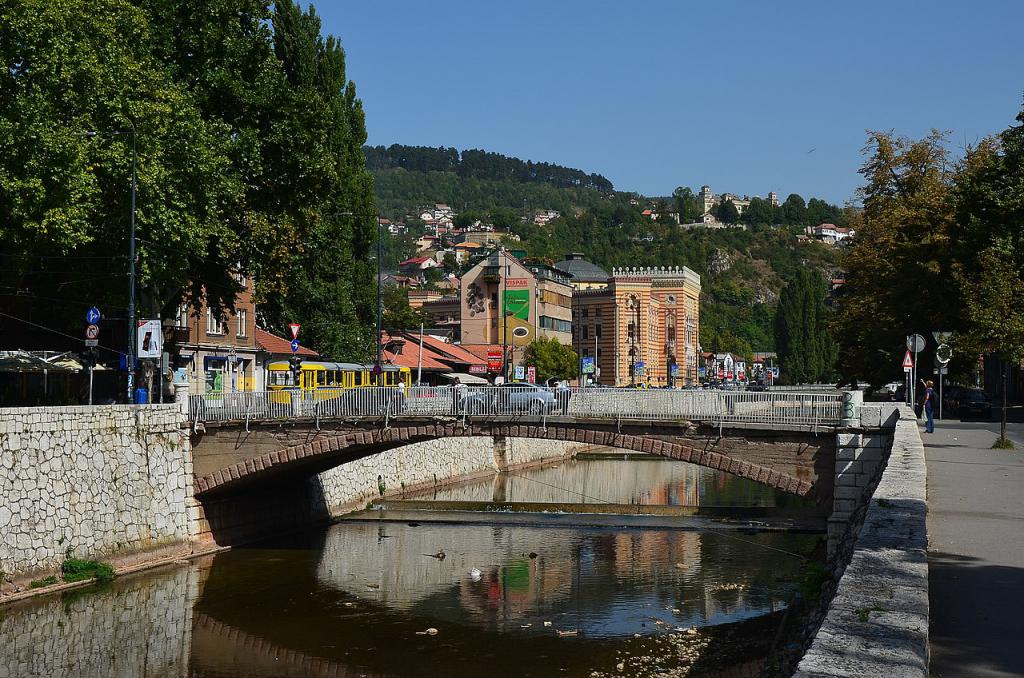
<point x="641" y="328"/>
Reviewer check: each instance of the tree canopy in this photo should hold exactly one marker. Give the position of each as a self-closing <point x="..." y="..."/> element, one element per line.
<point x="249" y="144"/>
<point x="553" y="359"/>
<point x="806" y="351"/>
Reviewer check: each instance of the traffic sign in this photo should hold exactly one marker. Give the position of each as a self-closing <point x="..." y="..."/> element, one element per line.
<point x="295" y="345"/>
<point x="295" y="330"/>
<point x="92" y="331"/>
<point x="908" y="362"/>
<point x="943" y="353"/>
<point x="520" y="373"/>
<point x="92" y="316"/>
<point x="915" y="343"/>
<point x="588" y="365"/>
<point x="92" y="342"/>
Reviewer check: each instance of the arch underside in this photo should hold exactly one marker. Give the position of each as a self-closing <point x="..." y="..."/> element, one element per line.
<point x="336" y="448"/>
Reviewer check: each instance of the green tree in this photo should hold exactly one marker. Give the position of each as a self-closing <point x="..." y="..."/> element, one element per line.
<point x="899" y="268"/>
<point x="806" y="350"/>
<point x="686" y="205"/>
<point x="794" y="210"/>
<point x="70" y="67"/>
<point x="398" y="314"/>
<point x="990" y="263"/>
<point x="552" y="359"/>
<point x="728" y="212"/>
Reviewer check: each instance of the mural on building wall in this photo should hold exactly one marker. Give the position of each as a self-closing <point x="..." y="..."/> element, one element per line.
<point x="474" y="299"/>
<point x="517" y="312"/>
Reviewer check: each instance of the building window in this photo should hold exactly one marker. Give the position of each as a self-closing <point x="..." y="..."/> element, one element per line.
<point x="586" y="333"/>
<point x="214" y="325"/>
<point x="597" y="331"/>
<point x="242" y="322"/>
<point x="182" y="318"/>
<point x="586" y="312"/>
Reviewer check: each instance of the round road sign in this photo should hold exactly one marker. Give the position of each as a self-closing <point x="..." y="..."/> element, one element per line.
<point x="92" y="331"/>
<point x="915" y="343"/>
<point x="943" y="353"/>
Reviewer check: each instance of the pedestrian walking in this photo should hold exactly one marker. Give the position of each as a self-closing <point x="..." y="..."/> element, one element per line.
<point x="456" y="393"/>
<point x="562" y="396"/>
<point x="929" y="407"/>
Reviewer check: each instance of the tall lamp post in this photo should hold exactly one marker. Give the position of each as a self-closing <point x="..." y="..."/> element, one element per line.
<point x="131" y="258"/>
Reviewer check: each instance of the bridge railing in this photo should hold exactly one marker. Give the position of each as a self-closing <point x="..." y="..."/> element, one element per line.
<point x="482" y="402"/>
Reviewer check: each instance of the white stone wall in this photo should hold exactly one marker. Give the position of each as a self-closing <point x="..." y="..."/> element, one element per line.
<point x="97" y="480"/>
<point x="435" y="461"/>
<point x="139" y="626"/>
<point x="877" y="622"/>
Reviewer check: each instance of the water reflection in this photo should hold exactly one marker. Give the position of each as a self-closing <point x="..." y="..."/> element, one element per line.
<point x="353" y="599"/>
<point x="599" y="582"/>
<point x="644" y="480"/>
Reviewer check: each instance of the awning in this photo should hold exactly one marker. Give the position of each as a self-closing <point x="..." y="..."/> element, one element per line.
<point x="465" y="378"/>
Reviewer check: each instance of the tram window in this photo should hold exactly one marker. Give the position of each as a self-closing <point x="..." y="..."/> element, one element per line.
<point x="321" y="378"/>
<point x="281" y="378"/>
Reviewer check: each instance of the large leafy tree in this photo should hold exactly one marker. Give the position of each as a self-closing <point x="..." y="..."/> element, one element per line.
<point x="552" y="359"/>
<point x="250" y="159"/>
<point x="899" y="268"/>
<point x="331" y="282"/>
<point x="990" y="238"/>
<point x="72" y="67"/>
<point x="805" y="347"/>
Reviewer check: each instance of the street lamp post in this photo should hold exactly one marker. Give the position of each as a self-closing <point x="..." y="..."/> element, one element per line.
<point x="131" y="259"/>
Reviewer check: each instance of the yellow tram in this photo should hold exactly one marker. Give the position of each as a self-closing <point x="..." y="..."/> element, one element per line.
<point x="316" y="375"/>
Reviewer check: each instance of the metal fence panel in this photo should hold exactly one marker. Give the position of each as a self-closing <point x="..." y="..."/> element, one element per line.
<point x="481" y="402"/>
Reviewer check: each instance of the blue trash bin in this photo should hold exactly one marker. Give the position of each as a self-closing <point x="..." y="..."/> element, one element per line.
<point x="141" y="396"/>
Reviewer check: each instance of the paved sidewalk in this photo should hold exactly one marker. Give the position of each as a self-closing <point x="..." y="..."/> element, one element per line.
<point x="975" y="552"/>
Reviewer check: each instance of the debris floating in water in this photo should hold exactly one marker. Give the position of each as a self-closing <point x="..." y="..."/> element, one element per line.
<point x="428" y="632"/>
<point x="474" y="574"/>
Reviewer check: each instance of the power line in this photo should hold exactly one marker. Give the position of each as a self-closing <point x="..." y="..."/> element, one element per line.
<point x="50" y="329"/>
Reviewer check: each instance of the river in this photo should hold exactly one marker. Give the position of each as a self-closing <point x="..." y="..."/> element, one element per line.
<point x="377" y="599"/>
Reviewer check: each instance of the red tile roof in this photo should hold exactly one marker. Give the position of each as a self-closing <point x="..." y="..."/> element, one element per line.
<point x="414" y="260"/>
<point x="279" y="345"/>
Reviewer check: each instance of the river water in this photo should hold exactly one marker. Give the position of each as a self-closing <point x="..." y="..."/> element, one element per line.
<point x="372" y="598"/>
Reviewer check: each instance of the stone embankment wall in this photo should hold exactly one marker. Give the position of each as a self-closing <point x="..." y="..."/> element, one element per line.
<point x="139" y="626"/>
<point x="435" y="462"/>
<point x="97" y="481"/>
<point x="877" y="621"/>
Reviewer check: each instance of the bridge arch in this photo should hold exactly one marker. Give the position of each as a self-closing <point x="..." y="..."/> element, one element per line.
<point x="332" y="448"/>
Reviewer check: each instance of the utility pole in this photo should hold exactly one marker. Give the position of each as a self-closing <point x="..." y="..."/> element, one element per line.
<point x="131" y="278"/>
<point x="132" y="329"/>
<point x="380" y="310"/>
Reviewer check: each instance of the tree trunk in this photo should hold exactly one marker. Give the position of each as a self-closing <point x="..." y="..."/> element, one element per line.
<point x="1006" y="380"/>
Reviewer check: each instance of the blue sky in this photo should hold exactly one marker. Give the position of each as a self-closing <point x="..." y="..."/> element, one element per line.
<point x="658" y="94"/>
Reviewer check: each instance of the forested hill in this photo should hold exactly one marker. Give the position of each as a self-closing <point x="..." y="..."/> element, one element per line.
<point x="477" y="164"/>
<point x="409" y="178"/>
<point x="743" y="270"/>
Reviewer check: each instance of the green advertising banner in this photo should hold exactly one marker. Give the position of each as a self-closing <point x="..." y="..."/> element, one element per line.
<point x="517" y="304"/>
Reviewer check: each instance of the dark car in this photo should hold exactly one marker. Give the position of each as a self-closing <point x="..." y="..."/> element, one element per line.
<point x="974" y="402"/>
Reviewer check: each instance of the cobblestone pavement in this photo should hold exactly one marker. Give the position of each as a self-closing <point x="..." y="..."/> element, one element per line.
<point x="975" y="552"/>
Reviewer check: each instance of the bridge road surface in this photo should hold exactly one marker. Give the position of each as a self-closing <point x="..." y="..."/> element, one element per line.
<point x="975" y="551"/>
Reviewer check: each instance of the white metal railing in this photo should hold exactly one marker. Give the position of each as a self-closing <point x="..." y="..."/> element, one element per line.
<point x="481" y="402"/>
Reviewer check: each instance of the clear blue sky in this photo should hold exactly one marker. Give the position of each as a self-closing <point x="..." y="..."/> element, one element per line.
<point x="663" y="93"/>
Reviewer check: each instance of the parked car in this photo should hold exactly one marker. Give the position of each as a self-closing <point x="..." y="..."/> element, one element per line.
<point x="950" y="399"/>
<point x="974" y="402"/>
<point x="520" y="397"/>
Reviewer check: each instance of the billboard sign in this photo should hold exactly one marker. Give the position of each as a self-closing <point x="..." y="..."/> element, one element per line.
<point x="149" y="339"/>
<point x="494" y="361"/>
<point x="588" y="365"/>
